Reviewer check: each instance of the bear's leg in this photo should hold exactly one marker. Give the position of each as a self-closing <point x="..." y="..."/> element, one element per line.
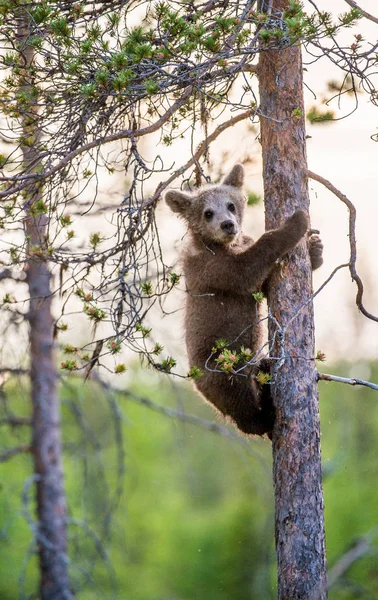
<point x="241" y="399"/>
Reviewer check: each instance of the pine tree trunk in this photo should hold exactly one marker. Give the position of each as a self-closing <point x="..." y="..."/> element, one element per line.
<point x="299" y="503"/>
<point x="51" y="533"/>
<point x="46" y="445"/>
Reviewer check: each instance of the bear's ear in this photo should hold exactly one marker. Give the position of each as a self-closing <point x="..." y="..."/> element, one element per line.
<point x="178" y="201"/>
<point x="235" y="178"/>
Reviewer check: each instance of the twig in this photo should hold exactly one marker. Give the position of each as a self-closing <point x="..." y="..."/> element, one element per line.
<point x="14" y="371"/>
<point x="199" y="152"/>
<point x="232" y="435"/>
<point x="15" y="421"/>
<point x="311" y="298"/>
<point x="8" y="274"/>
<point x="182" y="416"/>
<point x="23" y="448"/>
<point x="367" y="15"/>
<point x="124" y="133"/>
<point x="352" y="241"/>
<point x="172" y="413"/>
<point x="349" y="381"/>
<point x="359" y="549"/>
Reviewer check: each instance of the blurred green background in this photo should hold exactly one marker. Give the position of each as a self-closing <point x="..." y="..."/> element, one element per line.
<point x="162" y="509"/>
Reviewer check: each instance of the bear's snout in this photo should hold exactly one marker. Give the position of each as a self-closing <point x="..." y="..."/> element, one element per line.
<point x="228" y="226"/>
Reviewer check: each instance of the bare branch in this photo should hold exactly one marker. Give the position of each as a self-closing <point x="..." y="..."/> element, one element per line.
<point x="174" y="414"/>
<point x="367" y="15"/>
<point x="250" y="68"/>
<point x="202" y="148"/>
<point x="124" y="133"/>
<point x="182" y="416"/>
<point x="8" y="274"/>
<point x="14" y="371"/>
<point x="360" y="548"/>
<point x="7" y="454"/>
<point x="15" y="421"/>
<point x="352" y="240"/>
<point x="349" y="381"/>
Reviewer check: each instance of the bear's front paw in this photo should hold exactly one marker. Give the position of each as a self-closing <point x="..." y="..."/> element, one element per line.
<point x="298" y="223"/>
<point x="315" y="249"/>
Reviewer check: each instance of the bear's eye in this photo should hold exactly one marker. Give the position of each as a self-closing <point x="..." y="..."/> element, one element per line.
<point x="231" y="207"/>
<point x="208" y="214"/>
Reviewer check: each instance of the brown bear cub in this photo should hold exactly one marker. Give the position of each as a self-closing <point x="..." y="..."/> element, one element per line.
<point x="223" y="268"/>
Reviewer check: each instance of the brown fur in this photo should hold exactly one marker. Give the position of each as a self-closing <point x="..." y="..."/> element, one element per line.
<point x="223" y="268"/>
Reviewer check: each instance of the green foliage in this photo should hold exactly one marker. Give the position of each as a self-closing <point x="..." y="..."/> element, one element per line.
<point x="227" y="360"/>
<point x="35" y="42"/>
<point x="297" y="112"/>
<point x="65" y="220"/>
<point x="151" y="87"/>
<point x="14" y="256"/>
<point x="220" y="343"/>
<point x="102" y="77"/>
<point x="40" y="13"/>
<point x="263" y="378"/>
<point x="73" y="67"/>
<point x="95" y="239"/>
<point x="349" y="18"/>
<point x="8" y="299"/>
<point x="69" y="365"/>
<point x="147" y="288"/>
<point x="123" y="79"/>
<point x="157" y="349"/>
<point x="293" y="9"/>
<point x="86" y="46"/>
<point x="69" y="349"/>
<point x="174" y="278"/>
<point x="168" y="364"/>
<point x="195" y="372"/>
<point x="145" y="331"/>
<point x="315" y="116"/>
<point x="88" y="90"/>
<point x="258" y="296"/>
<point x="253" y="199"/>
<point x="114" y="346"/>
<point x="60" y="27"/>
<point x="94" y="313"/>
<point x="39" y="208"/>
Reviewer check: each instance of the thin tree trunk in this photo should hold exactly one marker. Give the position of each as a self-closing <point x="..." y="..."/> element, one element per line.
<point x="46" y="444"/>
<point x="296" y="438"/>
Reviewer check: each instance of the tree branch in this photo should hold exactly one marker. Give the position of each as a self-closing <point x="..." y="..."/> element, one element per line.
<point x="15" y="421"/>
<point x="349" y="381"/>
<point x="367" y="15"/>
<point x="124" y="133"/>
<point x="8" y="274"/>
<point x="352" y="241"/>
<point x="359" y="549"/>
<point x="199" y="152"/>
<point x="14" y="371"/>
<point x="23" y="448"/>
<point x="181" y="416"/>
<point x="172" y="413"/>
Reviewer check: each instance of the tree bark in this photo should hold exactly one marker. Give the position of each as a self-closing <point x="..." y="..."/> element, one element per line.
<point x="299" y="521"/>
<point x="51" y="533"/>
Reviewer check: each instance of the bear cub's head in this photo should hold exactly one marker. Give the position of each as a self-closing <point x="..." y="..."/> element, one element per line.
<point x="214" y="212"/>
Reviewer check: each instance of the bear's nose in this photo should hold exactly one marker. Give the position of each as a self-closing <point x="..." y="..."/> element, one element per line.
<point x="228" y="226"/>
